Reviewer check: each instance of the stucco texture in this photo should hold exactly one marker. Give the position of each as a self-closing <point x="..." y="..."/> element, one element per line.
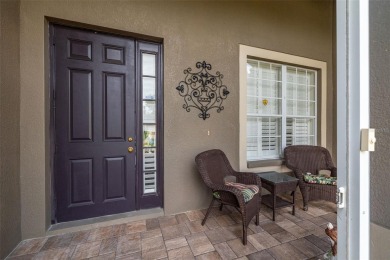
<point x="10" y="209"/>
<point x="191" y="32"/>
<point x="379" y="111"/>
<point x="379" y="242"/>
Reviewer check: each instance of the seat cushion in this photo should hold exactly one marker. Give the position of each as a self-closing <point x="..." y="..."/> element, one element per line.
<point x="325" y="173"/>
<point x="248" y="191"/>
<point x="315" y="179"/>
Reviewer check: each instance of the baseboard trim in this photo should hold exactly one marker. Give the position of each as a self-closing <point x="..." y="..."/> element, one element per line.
<point x="85" y="224"/>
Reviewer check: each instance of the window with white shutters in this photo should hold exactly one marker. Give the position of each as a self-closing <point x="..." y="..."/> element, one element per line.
<point x="281" y="108"/>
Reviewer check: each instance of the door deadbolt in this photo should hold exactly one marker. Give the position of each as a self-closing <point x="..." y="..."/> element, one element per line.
<point x="130" y="139"/>
<point x="130" y="149"/>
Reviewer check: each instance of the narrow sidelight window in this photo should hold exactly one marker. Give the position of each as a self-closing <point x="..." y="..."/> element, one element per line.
<point x="149" y="105"/>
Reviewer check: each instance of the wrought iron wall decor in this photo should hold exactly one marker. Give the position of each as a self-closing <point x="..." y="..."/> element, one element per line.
<point x="202" y="90"/>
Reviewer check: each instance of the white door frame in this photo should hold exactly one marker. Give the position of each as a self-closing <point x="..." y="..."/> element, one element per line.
<point x="353" y="115"/>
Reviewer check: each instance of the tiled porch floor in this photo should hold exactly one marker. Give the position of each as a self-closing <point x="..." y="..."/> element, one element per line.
<point x="182" y="236"/>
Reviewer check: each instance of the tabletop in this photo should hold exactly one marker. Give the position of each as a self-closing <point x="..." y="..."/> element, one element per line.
<point x="276" y="177"/>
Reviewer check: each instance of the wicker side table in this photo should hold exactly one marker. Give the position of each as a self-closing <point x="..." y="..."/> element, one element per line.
<point x="277" y="183"/>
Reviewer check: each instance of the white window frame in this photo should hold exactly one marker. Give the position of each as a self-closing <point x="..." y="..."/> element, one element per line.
<point x="281" y="58"/>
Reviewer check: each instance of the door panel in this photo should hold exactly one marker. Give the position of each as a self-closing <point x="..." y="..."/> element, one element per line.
<point x="94" y="115"/>
<point x="80" y="50"/>
<point x="115" y="178"/>
<point x="114" y="54"/>
<point x="80" y="104"/>
<point x="114" y="99"/>
<point x="81" y="182"/>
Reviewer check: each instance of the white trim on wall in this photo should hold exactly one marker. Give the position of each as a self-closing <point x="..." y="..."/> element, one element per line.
<point x="353" y="114"/>
<point x="246" y="51"/>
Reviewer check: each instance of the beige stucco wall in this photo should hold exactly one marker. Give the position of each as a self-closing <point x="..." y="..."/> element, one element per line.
<point x="379" y="110"/>
<point x="379" y="119"/>
<point x="192" y="31"/>
<point x="10" y="219"/>
<point x="379" y="242"/>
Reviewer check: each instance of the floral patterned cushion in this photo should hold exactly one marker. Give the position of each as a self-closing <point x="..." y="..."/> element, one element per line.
<point x="247" y="190"/>
<point x="316" y="179"/>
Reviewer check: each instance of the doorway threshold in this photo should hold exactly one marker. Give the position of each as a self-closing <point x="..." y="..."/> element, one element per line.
<point x="85" y="224"/>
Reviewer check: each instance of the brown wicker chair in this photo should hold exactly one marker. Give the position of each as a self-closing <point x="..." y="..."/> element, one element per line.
<point x="306" y="158"/>
<point x="214" y="166"/>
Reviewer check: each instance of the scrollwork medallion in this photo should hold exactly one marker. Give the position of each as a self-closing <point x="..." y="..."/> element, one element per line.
<point x="202" y="90"/>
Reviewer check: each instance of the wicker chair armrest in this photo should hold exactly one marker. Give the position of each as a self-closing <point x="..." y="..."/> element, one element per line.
<point x="226" y="188"/>
<point x="301" y="182"/>
<point x="298" y="173"/>
<point x="226" y="191"/>
<point x="248" y="178"/>
<point x="333" y="171"/>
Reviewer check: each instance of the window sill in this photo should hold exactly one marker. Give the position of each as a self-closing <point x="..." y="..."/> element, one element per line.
<point x="265" y="163"/>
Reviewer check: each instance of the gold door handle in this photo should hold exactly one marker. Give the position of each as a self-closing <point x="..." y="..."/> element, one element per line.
<point x="130" y="139"/>
<point x="130" y="149"/>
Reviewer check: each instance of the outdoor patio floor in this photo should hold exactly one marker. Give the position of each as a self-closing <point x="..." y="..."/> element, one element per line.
<point x="182" y="236"/>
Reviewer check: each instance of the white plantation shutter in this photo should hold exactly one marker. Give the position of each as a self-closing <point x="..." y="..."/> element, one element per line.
<point x="149" y="169"/>
<point x="267" y="94"/>
<point x="270" y="137"/>
<point x="263" y="137"/>
<point x="299" y="131"/>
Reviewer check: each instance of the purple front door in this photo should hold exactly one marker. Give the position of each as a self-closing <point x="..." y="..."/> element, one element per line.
<point x="95" y="123"/>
